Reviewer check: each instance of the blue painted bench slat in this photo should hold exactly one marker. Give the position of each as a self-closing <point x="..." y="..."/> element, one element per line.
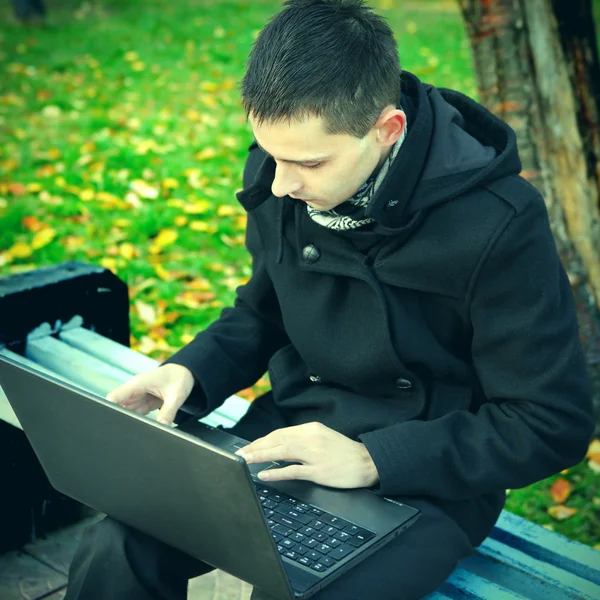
<point x="518" y="561"/>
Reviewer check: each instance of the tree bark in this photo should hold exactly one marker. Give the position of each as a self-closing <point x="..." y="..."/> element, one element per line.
<point x="536" y="65"/>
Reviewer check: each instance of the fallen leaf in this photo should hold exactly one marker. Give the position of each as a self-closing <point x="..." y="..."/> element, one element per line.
<point x="561" y="512"/>
<point x="146" y="312"/>
<point x="206" y="153"/>
<point x="594" y="466"/>
<point x="43" y="238"/>
<point x="199" y="284"/>
<point x="20" y="250"/>
<point x="17" y="189"/>
<point x="143" y="189"/>
<point x="560" y="490"/>
<point x="194" y="299"/>
<point x="33" y="223"/>
<point x="594" y="451"/>
<point x="226" y="210"/>
<point x="165" y="238"/>
<point x="128" y="251"/>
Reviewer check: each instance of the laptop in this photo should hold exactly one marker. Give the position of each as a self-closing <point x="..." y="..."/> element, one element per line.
<point x="186" y="487"/>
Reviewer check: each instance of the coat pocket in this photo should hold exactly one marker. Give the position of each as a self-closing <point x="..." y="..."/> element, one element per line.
<point x="448" y="397"/>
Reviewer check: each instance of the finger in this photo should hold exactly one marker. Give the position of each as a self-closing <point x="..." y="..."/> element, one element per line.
<point x="125" y="394"/>
<point x="166" y="414"/>
<point x="287" y="473"/>
<point x="266" y="455"/>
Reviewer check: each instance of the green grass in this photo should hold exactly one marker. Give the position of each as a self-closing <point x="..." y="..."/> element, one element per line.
<point x="82" y="117"/>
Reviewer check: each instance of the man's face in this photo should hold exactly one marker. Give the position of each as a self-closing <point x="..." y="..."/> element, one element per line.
<point x="314" y="166"/>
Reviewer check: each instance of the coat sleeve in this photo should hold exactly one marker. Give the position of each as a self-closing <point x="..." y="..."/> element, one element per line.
<point x="234" y="351"/>
<point x="538" y="418"/>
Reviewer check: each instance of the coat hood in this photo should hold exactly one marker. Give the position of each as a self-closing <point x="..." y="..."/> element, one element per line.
<point x="453" y="145"/>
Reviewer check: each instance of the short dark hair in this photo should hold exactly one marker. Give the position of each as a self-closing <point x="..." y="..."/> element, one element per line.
<point x="331" y="58"/>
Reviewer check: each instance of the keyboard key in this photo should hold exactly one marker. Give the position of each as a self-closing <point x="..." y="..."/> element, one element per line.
<point x="308" y="531"/>
<point x="311" y="543"/>
<point x="288" y="543"/>
<point x="283" y="509"/>
<point x="316" y="512"/>
<point x="268" y="513"/>
<point x="327" y="561"/>
<point x="263" y="491"/>
<point x="320" y="537"/>
<point x="341" y="551"/>
<point x="269" y="504"/>
<point x="342" y="536"/>
<point x="280" y="529"/>
<point x="351" y="529"/>
<point x="286" y="521"/>
<point x="281" y="549"/>
<point x="302" y="507"/>
<point x="297" y="537"/>
<point x="337" y="522"/>
<point x="317" y="524"/>
<point x="318" y="567"/>
<point x="333" y="542"/>
<point x="276" y="497"/>
<point x="305" y="561"/>
<point x="324" y="548"/>
<point x="291" y="554"/>
<point x="314" y="555"/>
<point x="361" y="538"/>
<point x="300" y="549"/>
<point x="329" y="530"/>
<point x="277" y="537"/>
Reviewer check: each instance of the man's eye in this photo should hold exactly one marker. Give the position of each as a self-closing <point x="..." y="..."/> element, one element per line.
<point x="317" y="166"/>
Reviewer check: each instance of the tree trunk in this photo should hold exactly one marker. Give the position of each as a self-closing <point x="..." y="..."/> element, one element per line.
<point x="536" y="64"/>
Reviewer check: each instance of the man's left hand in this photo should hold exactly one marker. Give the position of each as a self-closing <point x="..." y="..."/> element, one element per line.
<point x="325" y="456"/>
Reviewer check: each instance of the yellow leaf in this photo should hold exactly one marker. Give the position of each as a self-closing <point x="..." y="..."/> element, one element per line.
<point x="411" y="27"/>
<point x="186" y="338"/>
<point x="594" y="466"/>
<point x="199" y="284"/>
<point x="53" y="154"/>
<point x="33" y="188"/>
<point x="241" y="222"/>
<point x="127" y="250"/>
<point x="144" y="189"/>
<point x="86" y="195"/>
<point x="20" y="250"/>
<point x="226" y="210"/>
<point x="197" y="208"/>
<point x="122" y="222"/>
<point x="109" y="263"/>
<point x="199" y="226"/>
<point x="162" y="272"/>
<point x="561" y="512"/>
<point x="131" y="55"/>
<point x="594" y="451"/>
<point x="170" y="183"/>
<point x="43" y="238"/>
<point x="138" y="66"/>
<point x="166" y="237"/>
<point x="209" y="86"/>
<point x="208" y="101"/>
<point x="207" y="152"/>
<point x="72" y="243"/>
<point x="181" y="221"/>
<point x="146" y="312"/>
<point x="176" y="202"/>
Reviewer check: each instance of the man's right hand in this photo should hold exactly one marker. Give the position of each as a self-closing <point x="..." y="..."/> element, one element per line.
<point x="167" y="387"/>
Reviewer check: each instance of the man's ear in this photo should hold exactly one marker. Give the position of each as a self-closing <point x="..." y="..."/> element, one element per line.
<point x="390" y="126"/>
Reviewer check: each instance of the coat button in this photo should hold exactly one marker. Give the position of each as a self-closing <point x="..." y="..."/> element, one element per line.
<point x="403" y="384"/>
<point x="315" y="379"/>
<point x="311" y="254"/>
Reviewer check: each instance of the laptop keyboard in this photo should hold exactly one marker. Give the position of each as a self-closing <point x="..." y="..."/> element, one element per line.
<point x="308" y="535"/>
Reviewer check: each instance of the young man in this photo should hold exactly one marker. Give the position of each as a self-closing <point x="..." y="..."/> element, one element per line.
<point x="406" y="298"/>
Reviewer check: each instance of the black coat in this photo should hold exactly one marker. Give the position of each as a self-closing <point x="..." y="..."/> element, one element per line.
<point x="444" y="338"/>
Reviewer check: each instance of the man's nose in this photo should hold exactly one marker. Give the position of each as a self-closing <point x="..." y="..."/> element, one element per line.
<point x="285" y="182"/>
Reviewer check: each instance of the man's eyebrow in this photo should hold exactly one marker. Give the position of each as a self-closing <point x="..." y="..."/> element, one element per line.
<point x="295" y="162"/>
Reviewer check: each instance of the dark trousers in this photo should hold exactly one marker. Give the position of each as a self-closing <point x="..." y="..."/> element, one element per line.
<point x="117" y="562"/>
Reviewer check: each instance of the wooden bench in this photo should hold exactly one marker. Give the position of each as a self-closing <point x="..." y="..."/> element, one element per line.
<point x="518" y="560"/>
